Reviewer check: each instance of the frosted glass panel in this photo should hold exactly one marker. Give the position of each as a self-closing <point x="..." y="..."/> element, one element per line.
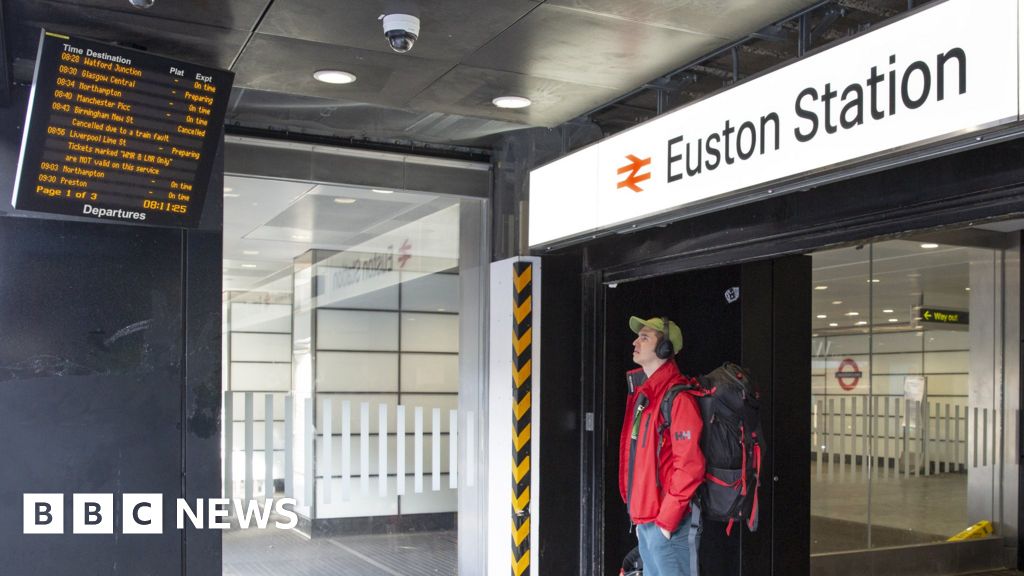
<point x="254" y="347"/>
<point x="357" y="372"/>
<point x="356" y="503"/>
<point x="846" y="345"/>
<point x="355" y="449"/>
<point x="897" y="363"/>
<point x="430" y="333"/>
<point x="258" y="405"/>
<point x="259" y="435"/>
<point x="342" y="292"/>
<point x="261" y="377"/>
<point x="444" y="500"/>
<point x="428" y="402"/>
<point x="252" y="317"/>
<point x="356" y="330"/>
<point x="947" y="385"/>
<point x="355" y="400"/>
<point x="889" y="385"/>
<point x="947" y="362"/>
<point x="947" y="340"/>
<point x="433" y="293"/>
<point x="430" y="373"/>
<point x="898" y="342"/>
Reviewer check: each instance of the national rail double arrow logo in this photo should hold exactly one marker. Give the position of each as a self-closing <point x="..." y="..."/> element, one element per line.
<point x="634" y="177"/>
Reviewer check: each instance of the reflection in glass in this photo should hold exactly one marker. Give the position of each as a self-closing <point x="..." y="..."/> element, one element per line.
<point x="902" y="403"/>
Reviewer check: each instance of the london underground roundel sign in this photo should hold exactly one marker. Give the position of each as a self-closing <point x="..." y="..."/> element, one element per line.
<point x="848" y="374"/>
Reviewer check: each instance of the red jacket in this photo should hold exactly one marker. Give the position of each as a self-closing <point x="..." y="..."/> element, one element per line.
<point x="662" y="493"/>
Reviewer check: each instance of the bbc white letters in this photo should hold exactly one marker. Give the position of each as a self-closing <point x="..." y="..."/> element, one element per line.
<point x="143" y="513"/>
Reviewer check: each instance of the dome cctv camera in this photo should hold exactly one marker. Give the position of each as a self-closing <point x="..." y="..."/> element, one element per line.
<point x="401" y="31"/>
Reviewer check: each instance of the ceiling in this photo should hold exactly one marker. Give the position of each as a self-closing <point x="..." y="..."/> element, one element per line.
<point x="268" y="223"/>
<point x="601" y="62"/>
<point x="591" y="68"/>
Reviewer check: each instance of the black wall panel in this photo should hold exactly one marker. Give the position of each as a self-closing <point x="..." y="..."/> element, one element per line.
<point x="110" y="354"/>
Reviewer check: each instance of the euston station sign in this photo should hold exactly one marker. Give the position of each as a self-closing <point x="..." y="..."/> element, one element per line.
<point x="948" y="69"/>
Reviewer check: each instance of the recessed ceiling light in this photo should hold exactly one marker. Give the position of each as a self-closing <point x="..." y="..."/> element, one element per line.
<point x="894" y="319"/>
<point x="379" y="191"/>
<point x="873" y="281"/>
<point x="887" y="311"/>
<point x="251" y="252"/>
<point x="334" y="76"/>
<point x="229" y="189"/>
<point x="862" y="323"/>
<point x="344" y="200"/>
<point x="226" y="195"/>
<point x="837" y="301"/>
<point x="968" y="289"/>
<point x="853" y="313"/>
<point x="833" y="324"/>
<point x="821" y="287"/>
<point x="929" y="245"/>
<point x="511" y="102"/>
<point x="300" y="237"/>
<point x="248" y="265"/>
<point x="822" y="316"/>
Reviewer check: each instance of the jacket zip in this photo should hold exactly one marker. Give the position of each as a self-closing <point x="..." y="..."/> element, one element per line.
<point x="637" y="416"/>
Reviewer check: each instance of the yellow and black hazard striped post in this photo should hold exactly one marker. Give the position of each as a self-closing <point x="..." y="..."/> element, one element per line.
<point x="522" y="350"/>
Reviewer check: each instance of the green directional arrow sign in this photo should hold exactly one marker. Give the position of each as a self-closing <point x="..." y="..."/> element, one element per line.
<point x="944" y="316"/>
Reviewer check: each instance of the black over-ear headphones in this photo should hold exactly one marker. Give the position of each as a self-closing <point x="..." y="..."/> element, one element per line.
<point x="664" y="349"/>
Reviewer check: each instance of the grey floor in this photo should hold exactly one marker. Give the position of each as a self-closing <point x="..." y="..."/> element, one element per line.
<point x="902" y="511"/>
<point x="274" y="552"/>
<point x="899" y="510"/>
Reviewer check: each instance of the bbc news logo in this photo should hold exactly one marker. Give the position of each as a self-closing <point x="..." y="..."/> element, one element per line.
<point x="144" y="513"/>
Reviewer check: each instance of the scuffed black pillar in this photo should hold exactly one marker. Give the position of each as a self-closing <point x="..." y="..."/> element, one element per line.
<point x="110" y="354"/>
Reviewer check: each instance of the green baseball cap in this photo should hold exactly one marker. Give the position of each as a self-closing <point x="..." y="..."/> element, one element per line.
<point x="675" y="335"/>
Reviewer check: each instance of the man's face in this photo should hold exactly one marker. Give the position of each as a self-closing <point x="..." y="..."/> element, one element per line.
<point x="644" y="345"/>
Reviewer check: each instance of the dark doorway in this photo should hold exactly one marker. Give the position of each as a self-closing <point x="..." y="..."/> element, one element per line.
<point x="757" y="314"/>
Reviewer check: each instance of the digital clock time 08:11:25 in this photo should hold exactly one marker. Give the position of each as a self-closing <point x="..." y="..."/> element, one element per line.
<point x="164" y="206"/>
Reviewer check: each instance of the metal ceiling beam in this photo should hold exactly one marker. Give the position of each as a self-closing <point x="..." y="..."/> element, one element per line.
<point x="411" y="148"/>
<point x="828" y="18"/>
<point x="760" y="35"/>
<point x="870" y="8"/>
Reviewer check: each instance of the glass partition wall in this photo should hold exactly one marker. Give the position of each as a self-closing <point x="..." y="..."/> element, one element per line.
<point x="908" y="387"/>
<point x="343" y="391"/>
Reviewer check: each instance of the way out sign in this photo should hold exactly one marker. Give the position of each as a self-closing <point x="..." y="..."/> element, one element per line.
<point x="848" y="374"/>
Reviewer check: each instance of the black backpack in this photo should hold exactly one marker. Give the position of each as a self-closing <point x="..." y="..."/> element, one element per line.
<point x="732" y="443"/>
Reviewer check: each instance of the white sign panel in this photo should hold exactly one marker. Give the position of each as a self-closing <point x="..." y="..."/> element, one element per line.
<point x="936" y="74"/>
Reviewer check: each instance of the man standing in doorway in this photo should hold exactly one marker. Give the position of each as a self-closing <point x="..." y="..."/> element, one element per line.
<point x="659" y="471"/>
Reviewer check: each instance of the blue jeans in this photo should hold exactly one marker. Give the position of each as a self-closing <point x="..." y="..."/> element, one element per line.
<point x="665" y="557"/>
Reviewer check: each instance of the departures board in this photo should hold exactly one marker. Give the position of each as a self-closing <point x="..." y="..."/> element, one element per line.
<point x="119" y="135"/>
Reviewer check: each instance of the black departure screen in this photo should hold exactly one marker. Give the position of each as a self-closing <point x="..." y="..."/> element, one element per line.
<point x="119" y="135"/>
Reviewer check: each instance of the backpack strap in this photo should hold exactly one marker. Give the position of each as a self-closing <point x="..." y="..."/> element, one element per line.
<point x="666" y="418"/>
<point x="668" y="400"/>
